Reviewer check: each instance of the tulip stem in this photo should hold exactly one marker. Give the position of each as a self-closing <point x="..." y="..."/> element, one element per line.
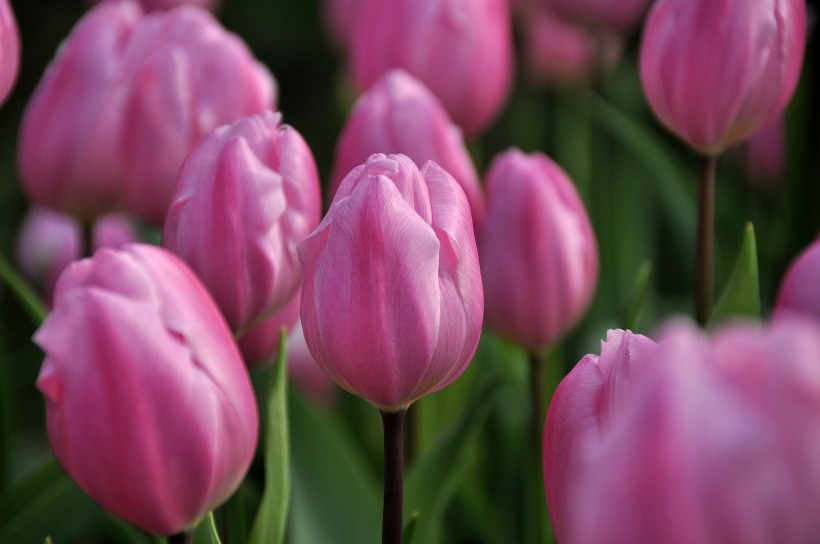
<point x="393" y="476"/>
<point x="87" y="238"/>
<point x="536" y="399"/>
<point x="706" y="239"/>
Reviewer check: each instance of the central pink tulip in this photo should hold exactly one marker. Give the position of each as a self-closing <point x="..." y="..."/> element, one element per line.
<point x="392" y="300"/>
<point x="246" y="196"/>
<point x="693" y="439"/>
<point x="150" y="408"/>
<point x="717" y="71"/>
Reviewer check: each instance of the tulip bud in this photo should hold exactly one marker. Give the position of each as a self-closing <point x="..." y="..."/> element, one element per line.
<point x="391" y="299"/>
<point x="260" y="344"/>
<point x="800" y="290"/>
<point x="566" y="55"/>
<point x="539" y="257"/>
<point x="49" y="241"/>
<point x="461" y="49"/>
<point x="151" y="5"/>
<point x="248" y="193"/>
<point x="126" y="98"/>
<point x="150" y="409"/>
<point x="340" y="19"/>
<point x="717" y="71"/>
<point x="9" y="50"/>
<point x="766" y="153"/>
<point x="398" y="114"/>
<point x="690" y="440"/>
<point x="613" y="15"/>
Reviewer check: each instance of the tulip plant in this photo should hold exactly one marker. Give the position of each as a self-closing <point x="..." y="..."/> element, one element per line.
<point x="419" y="271"/>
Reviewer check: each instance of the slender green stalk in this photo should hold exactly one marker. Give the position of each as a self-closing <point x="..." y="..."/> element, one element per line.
<point x="537" y="409"/>
<point x="704" y="281"/>
<point x="393" y="476"/>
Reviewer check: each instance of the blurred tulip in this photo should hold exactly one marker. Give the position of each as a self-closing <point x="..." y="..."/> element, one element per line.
<point x="9" y="50"/>
<point x="392" y="301"/>
<point x="246" y="195"/>
<point x="151" y="5"/>
<point x="766" y="155"/>
<point x="460" y="49"/>
<point x="126" y="98"/>
<point x="617" y="15"/>
<point x="800" y="290"/>
<point x="398" y="114"/>
<point x="306" y="372"/>
<point x="260" y="343"/>
<point x="539" y="257"/>
<point x="717" y="71"/>
<point x="49" y="241"/>
<point x="565" y="55"/>
<point x="340" y="19"/>
<point x="689" y="440"/>
<point x="150" y="408"/>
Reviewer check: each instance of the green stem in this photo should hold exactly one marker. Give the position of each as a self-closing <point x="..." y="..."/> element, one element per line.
<point x="536" y="400"/>
<point x="393" y="476"/>
<point x="704" y="281"/>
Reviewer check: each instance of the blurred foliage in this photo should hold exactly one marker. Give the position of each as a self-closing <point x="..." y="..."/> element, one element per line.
<point x="638" y="184"/>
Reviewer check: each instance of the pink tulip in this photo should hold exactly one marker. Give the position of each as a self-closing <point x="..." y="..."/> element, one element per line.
<point x="612" y="15"/>
<point x="150" y="409"/>
<point x="151" y="5"/>
<point x="800" y="290"/>
<point x="690" y="440"/>
<point x="340" y="19"/>
<point x="246" y="195"/>
<point x="566" y="55"/>
<point x="126" y="98"/>
<point x="398" y="114"/>
<point x="49" y="241"/>
<point x="766" y="153"/>
<point x="9" y="50"/>
<point x="305" y="372"/>
<point x="717" y="71"/>
<point x="461" y="49"/>
<point x="392" y="301"/>
<point x="539" y="257"/>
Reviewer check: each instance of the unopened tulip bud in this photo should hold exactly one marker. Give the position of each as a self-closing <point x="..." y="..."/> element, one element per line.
<point x="9" y="49"/>
<point x="800" y="290"/>
<point x="609" y="15"/>
<point x="391" y="301"/>
<point x="690" y="440"/>
<point x="260" y="343"/>
<point x="150" y="409"/>
<point x="247" y="194"/>
<point x="717" y="71"/>
<point x="461" y="50"/>
<point x="539" y="257"/>
<point x="398" y="114"/>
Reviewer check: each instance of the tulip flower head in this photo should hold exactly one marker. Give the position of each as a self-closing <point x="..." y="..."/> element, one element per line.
<point x="460" y="49"/>
<point x="539" y="257"/>
<point x="246" y="195"/>
<point x="689" y="440"/>
<point x="800" y="290"/>
<point x="717" y="71"/>
<point x="150" y="409"/>
<point x="611" y="15"/>
<point x="9" y="50"/>
<point x="151" y="5"/>
<point x="398" y="114"/>
<point x="392" y="300"/>
<point x="123" y="102"/>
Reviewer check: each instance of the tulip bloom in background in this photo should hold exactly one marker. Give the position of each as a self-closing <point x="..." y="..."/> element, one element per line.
<point x="246" y="195"/>
<point x="565" y="55"/>
<point x="539" y="257"/>
<point x="9" y="50"/>
<point x="340" y="19"/>
<point x="392" y="300"/>
<point x="151" y="5"/>
<point x="766" y="155"/>
<point x="614" y="15"/>
<point x="800" y="290"/>
<point x="125" y="99"/>
<point x="690" y="440"/>
<point x="460" y="49"/>
<point x="715" y="72"/>
<point x="398" y="114"/>
<point x="49" y="241"/>
<point x="150" y="409"/>
<point x="259" y="344"/>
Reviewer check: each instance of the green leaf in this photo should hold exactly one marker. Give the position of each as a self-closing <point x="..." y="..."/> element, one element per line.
<point x="336" y="497"/>
<point x="741" y="298"/>
<point x="409" y="531"/>
<point x="214" y="534"/>
<point x="638" y="298"/>
<point x="271" y="519"/>
<point x="27" y="296"/>
<point x="437" y="474"/>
